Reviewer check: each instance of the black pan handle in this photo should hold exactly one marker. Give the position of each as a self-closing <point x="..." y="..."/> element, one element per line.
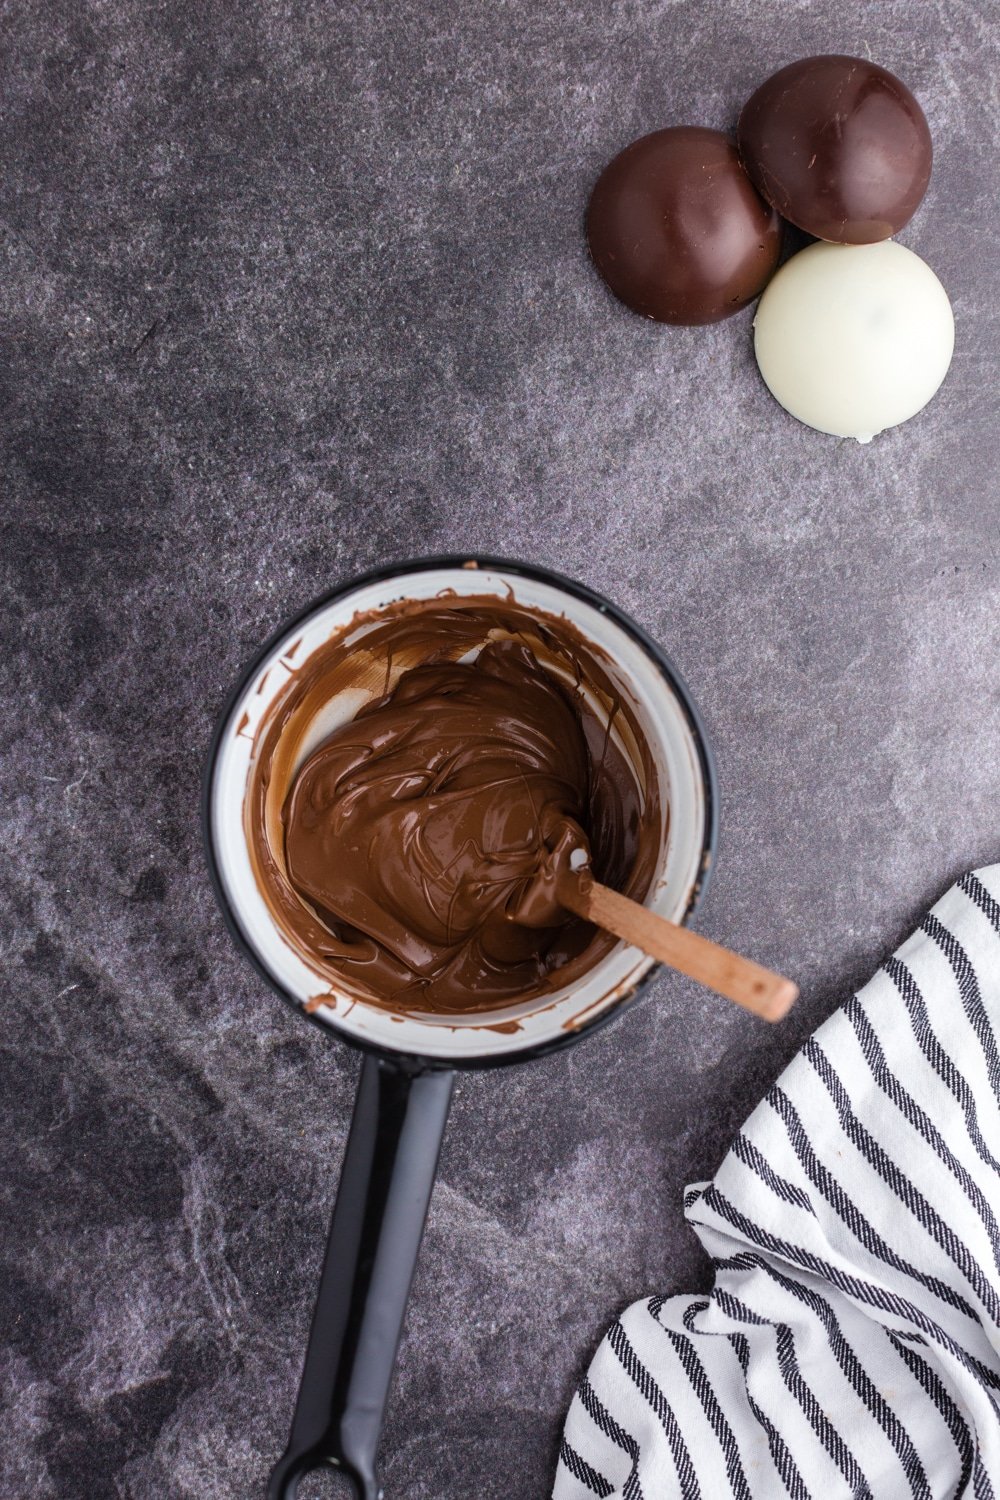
<point x="385" y="1188"/>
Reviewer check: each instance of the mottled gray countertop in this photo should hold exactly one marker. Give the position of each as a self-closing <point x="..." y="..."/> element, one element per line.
<point x="292" y="289"/>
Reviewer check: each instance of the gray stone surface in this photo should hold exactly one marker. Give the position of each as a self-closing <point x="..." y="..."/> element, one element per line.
<point x="289" y="290"/>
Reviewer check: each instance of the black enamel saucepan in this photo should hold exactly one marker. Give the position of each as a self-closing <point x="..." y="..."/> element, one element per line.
<point x="408" y="1067"/>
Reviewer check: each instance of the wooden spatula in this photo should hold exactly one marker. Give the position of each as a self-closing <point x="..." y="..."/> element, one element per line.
<point x="767" y="994"/>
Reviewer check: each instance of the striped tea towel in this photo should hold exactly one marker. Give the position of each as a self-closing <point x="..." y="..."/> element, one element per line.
<point x="851" y="1343"/>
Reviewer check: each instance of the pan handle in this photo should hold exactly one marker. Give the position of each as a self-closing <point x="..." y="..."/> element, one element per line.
<point x="385" y="1188"/>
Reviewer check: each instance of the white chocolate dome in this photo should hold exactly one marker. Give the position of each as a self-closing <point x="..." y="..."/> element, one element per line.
<point x="852" y="339"/>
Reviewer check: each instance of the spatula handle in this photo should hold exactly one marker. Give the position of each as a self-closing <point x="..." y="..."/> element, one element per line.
<point x="757" y="989"/>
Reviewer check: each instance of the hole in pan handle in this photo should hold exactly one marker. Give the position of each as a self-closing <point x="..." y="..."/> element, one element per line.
<point x="385" y="1188"/>
<point x="288" y="1474"/>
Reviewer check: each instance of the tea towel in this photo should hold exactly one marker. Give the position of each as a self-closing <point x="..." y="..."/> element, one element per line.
<point x="850" y="1345"/>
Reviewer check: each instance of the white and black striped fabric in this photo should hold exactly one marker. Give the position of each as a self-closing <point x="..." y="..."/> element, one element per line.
<point x="851" y="1343"/>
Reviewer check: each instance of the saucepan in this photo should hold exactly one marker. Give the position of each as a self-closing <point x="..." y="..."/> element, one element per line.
<point x="409" y="1062"/>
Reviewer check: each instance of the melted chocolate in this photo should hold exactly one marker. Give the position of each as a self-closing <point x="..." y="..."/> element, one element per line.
<point x="412" y="856"/>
